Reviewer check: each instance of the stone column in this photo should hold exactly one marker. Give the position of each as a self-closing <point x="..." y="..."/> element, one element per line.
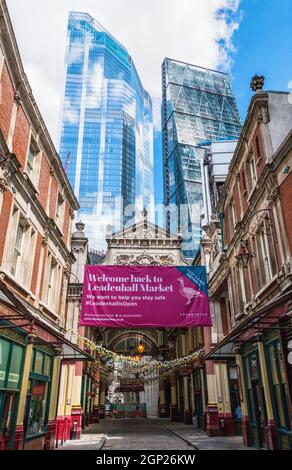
<point x="76" y="408"/>
<point x="212" y="419"/>
<point x="173" y="407"/>
<point x="95" y="416"/>
<point x="162" y="404"/>
<point x="192" y="393"/>
<point x="51" y="433"/>
<point x="102" y="400"/>
<point x="272" y="444"/>
<point x="245" y="418"/>
<point x="228" y="428"/>
<point x="19" y="437"/>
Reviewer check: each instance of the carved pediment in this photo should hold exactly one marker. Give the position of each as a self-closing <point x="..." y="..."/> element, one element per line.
<point x="142" y="231"/>
<point x="144" y="259"/>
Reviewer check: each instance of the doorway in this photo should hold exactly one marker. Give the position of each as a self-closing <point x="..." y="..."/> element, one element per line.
<point x="8" y="405"/>
<point x="256" y="402"/>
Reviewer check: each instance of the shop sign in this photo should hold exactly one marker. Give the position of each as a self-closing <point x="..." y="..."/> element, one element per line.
<point x="38" y="390"/>
<point x="148" y="297"/>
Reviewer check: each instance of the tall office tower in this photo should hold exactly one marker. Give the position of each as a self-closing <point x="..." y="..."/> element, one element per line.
<point x="106" y="142"/>
<point x="198" y="107"/>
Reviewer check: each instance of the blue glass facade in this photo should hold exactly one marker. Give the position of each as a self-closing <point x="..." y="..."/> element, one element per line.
<point x="106" y="142"/>
<point x="197" y="107"/>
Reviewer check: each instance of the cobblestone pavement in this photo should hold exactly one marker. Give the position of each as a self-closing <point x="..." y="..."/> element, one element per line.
<point x="149" y="434"/>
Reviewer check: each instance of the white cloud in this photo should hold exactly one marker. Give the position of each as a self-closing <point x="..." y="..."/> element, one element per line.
<point x="187" y="30"/>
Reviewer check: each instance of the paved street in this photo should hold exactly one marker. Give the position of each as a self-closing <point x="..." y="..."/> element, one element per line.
<point x="148" y="434"/>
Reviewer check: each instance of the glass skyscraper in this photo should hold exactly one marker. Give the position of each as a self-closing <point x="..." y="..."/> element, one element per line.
<point x="106" y="142"/>
<point x="197" y="107"/>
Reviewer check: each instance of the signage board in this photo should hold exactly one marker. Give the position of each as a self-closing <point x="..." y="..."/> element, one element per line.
<point x="148" y="297"/>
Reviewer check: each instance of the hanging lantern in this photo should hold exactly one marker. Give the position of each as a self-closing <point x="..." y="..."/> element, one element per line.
<point x="140" y="348"/>
<point x="244" y="256"/>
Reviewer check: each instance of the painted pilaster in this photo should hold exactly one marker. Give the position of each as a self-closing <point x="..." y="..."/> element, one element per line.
<point x="227" y="427"/>
<point x="211" y="412"/>
<point x="102" y="400"/>
<point x="19" y="429"/>
<point x="243" y="396"/>
<point x="174" y="407"/>
<point x="271" y="431"/>
<point x="76" y="408"/>
<point x="51" y="428"/>
<point x="162" y="405"/>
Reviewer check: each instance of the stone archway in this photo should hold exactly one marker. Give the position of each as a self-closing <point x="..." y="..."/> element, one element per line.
<point x="143" y="244"/>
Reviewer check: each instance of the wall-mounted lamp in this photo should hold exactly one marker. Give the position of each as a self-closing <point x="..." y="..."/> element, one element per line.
<point x="244" y="256"/>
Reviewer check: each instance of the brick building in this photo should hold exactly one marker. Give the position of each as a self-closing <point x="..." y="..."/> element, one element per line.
<point x="247" y="249"/>
<point x="36" y="211"/>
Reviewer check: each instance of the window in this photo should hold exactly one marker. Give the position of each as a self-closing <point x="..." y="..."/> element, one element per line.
<point x="20" y="248"/>
<point x="232" y="217"/>
<point x="51" y="281"/>
<point x="241" y="290"/>
<point x="280" y="392"/>
<point x="53" y="278"/>
<point x="60" y="212"/>
<point x="31" y="158"/>
<point x="17" y="253"/>
<point x="33" y="163"/>
<point x="38" y="392"/>
<point x="37" y="397"/>
<point x="11" y="357"/>
<point x="258" y="148"/>
<point x="251" y="172"/>
<point x="266" y="258"/>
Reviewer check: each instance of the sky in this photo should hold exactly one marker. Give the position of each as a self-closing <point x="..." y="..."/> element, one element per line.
<point x="242" y="37"/>
<point x="188" y="30"/>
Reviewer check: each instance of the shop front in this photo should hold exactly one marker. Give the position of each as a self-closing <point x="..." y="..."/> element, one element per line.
<point x="30" y="362"/>
<point x="38" y="398"/>
<point x="267" y="392"/>
<point x="12" y="350"/>
<point x="199" y="389"/>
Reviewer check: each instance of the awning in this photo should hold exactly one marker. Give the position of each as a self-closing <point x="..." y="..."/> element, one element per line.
<point x="223" y="352"/>
<point x="256" y="321"/>
<point x="70" y="351"/>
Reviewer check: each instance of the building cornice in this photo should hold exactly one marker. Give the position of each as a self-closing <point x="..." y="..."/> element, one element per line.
<point x="258" y="109"/>
<point x="25" y="95"/>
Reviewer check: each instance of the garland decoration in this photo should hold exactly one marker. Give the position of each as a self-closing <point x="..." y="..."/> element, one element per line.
<point x="105" y="356"/>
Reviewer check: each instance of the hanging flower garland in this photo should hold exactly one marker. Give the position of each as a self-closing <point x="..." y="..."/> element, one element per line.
<point x="147" y="368"/>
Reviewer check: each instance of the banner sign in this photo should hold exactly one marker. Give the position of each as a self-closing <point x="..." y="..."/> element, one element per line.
<point x="148" y="297"/>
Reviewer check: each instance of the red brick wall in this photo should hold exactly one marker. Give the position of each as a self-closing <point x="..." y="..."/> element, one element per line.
<point x="66" y="222"/>
<point x="44" y="182"/>
<point x="224" y="316"/>
<point x="43" y="268"/>
<point x="243" y="189"/>
<point x="21" y="136"/>
<point x="53" y="198"/>
<point x="286" y="203"/>
<point x="4" y="220"/>
<point x="237" y="202"/>
<point x="36" y="264"/>
<point x="260" y="164"/>
<point x="6" y="101"/>
<point x="226" y="225"/>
